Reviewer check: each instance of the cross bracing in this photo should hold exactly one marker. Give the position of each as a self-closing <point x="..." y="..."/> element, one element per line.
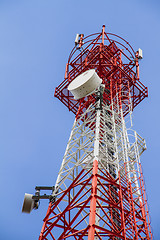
<point x="115" y="148"/>
<point x="100" y="147"/>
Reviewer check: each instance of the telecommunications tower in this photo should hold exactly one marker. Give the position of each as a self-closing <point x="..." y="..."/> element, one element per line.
<point x="99" y="192"/>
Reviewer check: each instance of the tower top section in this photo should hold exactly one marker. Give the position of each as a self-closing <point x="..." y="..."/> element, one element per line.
<point x="115" y="62"/>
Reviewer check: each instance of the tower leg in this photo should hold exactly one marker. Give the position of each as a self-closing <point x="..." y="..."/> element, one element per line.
<point x="92" y="216"/>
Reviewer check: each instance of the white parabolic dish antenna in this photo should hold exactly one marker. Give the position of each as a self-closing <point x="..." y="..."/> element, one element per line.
<point x="85" y="84"/>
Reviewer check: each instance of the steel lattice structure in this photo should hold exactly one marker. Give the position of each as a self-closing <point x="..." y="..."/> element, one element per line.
<point x="99" y="192"/>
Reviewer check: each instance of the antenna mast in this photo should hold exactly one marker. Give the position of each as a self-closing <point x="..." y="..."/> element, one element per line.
<point x="99" y="192"/>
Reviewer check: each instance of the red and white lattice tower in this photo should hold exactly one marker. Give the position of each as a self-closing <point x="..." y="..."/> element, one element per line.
<point x="99" y="192"/>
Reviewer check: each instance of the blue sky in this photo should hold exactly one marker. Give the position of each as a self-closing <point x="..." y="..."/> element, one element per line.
<point x="36" y="38"/>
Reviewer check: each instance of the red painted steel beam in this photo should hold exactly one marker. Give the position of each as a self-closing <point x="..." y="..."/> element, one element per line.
<point x="92" y="216"/>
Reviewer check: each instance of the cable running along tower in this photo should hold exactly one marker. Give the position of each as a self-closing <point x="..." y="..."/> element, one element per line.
<point x="99" y="192"/>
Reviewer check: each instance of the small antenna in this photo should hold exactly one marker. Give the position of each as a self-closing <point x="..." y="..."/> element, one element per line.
<point x="140" y="55"/>
<point x="79" y="40"/>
